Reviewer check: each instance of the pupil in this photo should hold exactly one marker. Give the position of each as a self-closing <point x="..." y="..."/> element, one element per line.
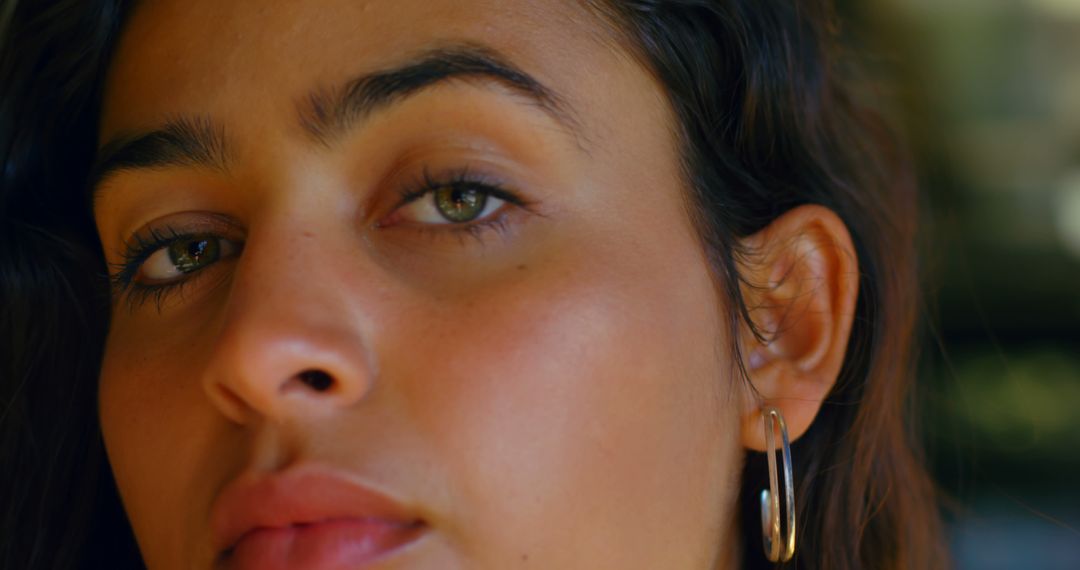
<point x="460" y="204"/>
<point x="188" y="256"/>
<point x="197" y="248"/>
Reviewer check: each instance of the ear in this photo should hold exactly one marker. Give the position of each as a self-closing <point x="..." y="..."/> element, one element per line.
<point x="802" y="283"/>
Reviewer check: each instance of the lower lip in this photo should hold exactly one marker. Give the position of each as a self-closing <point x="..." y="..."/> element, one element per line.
<point x="329" y="545"/>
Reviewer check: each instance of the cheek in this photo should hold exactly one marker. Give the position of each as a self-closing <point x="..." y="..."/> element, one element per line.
<point x="583" y="409"/>
<point x="162" y="441"/>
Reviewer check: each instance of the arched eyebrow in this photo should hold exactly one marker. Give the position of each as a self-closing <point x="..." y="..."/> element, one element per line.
<point x="325" y="115"/>
<point x="181" y="141"/>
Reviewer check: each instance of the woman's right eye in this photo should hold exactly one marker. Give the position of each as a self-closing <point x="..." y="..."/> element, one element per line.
<point x="183" y="255"/>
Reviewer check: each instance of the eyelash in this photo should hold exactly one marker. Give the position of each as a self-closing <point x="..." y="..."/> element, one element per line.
<point x="135" y="252"/>
<point x="460" y="179"/>
<point x="140" y="247"/>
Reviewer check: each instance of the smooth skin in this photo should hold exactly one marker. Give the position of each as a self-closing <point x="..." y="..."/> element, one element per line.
<point x="555" y="390"/>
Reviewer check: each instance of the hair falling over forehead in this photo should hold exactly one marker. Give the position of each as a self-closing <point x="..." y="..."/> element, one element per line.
<point x="765" y="124"/>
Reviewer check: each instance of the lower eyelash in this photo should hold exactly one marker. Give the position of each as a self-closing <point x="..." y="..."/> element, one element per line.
<point x="137" y="294"/>
<point x="463" y="177"/>
<point x="135" y="252"/>
<point x="139" y="248"/>
<point x="477" y="230"/>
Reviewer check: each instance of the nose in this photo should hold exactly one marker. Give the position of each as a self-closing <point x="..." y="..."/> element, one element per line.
<point x="292" y="341"/>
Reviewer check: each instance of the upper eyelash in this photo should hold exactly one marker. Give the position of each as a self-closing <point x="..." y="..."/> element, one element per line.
<point x="139" y="247"/>
<point x="134" y="253"/>
<point x="461" y="177"/>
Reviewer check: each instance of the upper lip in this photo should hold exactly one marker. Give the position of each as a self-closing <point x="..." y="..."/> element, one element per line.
<point x="302" y="495"/>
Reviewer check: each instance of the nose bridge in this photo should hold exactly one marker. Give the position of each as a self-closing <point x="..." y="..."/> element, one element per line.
<point x="290" y="342"/>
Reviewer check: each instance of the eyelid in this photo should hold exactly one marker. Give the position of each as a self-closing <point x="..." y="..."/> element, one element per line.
<point x="426" y="183"/>
<point x="163" y="231"/>
<point x="160" y="233"/>
<point x="178" y="225"/>
<point x="226" y="249"/>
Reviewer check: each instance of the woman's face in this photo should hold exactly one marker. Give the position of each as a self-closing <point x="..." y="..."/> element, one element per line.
<point x="436" y="250"/>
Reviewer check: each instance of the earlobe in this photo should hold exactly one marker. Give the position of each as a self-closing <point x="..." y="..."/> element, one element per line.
<point x="802" y="285"/>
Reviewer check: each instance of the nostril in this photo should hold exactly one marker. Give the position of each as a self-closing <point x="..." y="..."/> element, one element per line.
<point x="317" y="379"/>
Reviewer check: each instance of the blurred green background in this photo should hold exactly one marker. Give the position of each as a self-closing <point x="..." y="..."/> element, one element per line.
<point x="987" y="94"/>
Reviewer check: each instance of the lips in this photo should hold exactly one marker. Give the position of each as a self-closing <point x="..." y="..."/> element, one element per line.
<point x="307" y="518"/>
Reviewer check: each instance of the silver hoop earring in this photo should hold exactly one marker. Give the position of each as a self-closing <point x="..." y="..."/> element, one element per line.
<point x="777" y="550"/>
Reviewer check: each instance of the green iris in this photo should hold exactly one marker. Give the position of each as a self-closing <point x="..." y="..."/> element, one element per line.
<point x="460" y="205"/>
<point x="194" y="253"/>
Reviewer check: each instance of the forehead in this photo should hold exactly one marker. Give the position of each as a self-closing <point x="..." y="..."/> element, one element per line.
<point x="257" y="58"/>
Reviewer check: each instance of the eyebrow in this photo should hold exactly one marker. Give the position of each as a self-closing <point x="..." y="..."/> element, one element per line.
<point x="326" y="115"/>
<point x="182" y="141"/>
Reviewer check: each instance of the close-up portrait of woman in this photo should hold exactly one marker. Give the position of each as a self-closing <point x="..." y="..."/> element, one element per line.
<point x="491" y="284"/>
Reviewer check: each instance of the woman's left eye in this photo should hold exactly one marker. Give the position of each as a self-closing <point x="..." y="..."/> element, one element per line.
<point x="182" y="256"/>
<point x="451" y="204"/>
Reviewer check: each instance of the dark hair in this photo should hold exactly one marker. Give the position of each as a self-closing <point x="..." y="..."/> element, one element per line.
<point x="765" y="124"/>
<point x="58" y="504"/>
